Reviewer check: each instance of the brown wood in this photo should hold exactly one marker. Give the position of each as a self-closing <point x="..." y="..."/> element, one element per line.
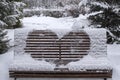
<point x="62" y="74"/>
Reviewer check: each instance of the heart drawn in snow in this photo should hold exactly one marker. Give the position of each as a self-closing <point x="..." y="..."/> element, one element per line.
<point x="46" y="44"/>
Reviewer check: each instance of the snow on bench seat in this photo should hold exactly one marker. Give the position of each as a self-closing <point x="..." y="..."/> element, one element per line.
<point x="27" y="63"/>
<point x="90" y="63"/>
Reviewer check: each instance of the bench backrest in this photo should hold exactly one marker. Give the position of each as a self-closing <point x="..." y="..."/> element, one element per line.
<point x="89" y="41"/>
<point x="44" y="44"/>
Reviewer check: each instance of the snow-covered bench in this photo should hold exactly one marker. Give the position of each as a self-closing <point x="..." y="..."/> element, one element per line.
<point x="78" y="54"/>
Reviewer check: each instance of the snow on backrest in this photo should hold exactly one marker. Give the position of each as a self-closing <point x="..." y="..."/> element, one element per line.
<point x="97" y="37"/>
<point x="20" y="40"/>
<point x="98" y="42"/>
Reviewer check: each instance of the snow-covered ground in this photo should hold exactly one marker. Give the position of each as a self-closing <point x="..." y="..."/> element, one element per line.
<point x="35" y="22"/>
<point x="114" y="57"/>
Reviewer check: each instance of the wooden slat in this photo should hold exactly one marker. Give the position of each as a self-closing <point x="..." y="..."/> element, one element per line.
<point x="56" y="48"/>
<point x="37" y="34"/>
<point x="53" y="40"/>
<point x="54" y="45"/>
<point x="58" y="54"/>
<point x="63" y="74"/>
<point x="55" y="56"/>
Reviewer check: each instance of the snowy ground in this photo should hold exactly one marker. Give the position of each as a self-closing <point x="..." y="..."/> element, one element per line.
<point x="59" y="23"/>
<point x="114" y="57"/>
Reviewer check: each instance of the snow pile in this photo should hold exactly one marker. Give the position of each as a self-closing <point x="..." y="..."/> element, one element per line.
<point x="60" y="32"/>
<point x="26" y="63"/>
<point x="5" y="60"/>
<point x="89" y="62"/>
<point x="81" y="22"/>
<point x="2" y="24"/>
<point x="98" y="46"/>
<point x="47" y="22"/>
<point x="10" y="34"/>
<point x="20" y="36"/>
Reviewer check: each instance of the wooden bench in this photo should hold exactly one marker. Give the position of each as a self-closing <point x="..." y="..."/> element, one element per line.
<point x="44" y="44"/>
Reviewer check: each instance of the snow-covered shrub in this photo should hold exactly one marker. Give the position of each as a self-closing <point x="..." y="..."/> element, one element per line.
<point x="71" y="10"/>
<point x="10" y="13"/>
<point x="109" y="18"/>
<point x="2" y="24"/>
<point x="84" y="6"/>
<point x="46" y="12"/>
<point x="81" y="22"/>
<point x="56" y="14"/>
<point x="4" y="46"/>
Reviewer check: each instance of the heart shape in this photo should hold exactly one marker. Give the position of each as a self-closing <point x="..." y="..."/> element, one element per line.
<point x="46" y="44"/>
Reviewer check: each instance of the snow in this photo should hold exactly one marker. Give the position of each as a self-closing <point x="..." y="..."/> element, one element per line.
<point x="81" y="22"/>
<point x="20" y="36"/>
<point x="83" y="2"/>
<point x="60" y="32"/>
<point x="42" y="22"/>
<point x="2" y="24"/>
<point x="114" y="57"/>
<point x="101" y="4"/>
<point x="5" y="60"/>
<point x="27" y="63"/>
<point x="98" y="40"/>
<point x="89" y="62"/>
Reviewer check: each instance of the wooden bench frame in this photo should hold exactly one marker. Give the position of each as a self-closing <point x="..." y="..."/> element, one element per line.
<point x="62" y="73"/>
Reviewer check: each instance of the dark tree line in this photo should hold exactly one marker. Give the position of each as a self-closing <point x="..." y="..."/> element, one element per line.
<point x="109" y="18"/>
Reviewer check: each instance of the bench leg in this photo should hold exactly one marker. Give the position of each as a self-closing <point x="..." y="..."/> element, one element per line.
<point x="15" y="78"/>
<point x="105" y="78"/>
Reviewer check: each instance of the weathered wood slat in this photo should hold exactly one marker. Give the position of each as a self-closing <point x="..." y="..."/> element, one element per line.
<point x="53" y="40"/>
<point x="64" y="74"/>
<point x="54" y="45"/>
<point x="61" y="54"/>
<point x="55" y="50"/>
<point x="55" y="37"/>
<point x="58" y="56"/>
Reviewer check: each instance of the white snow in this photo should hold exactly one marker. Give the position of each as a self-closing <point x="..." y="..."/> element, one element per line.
<point x="83" y="3"/>
<point x="60" y="32"/>
<point x="20" y="36"/>
<point x="89" y="62"/>
<point x="98" y="40"/>
<point x="114" y="57"/>
<point x="2" y="24"/>
<point x="81" y="22"/>
<point x="5" y="60"/>
<point x="101" y="4"/>
<point x="47" y="22"/>
<point x="26" y="63"/>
